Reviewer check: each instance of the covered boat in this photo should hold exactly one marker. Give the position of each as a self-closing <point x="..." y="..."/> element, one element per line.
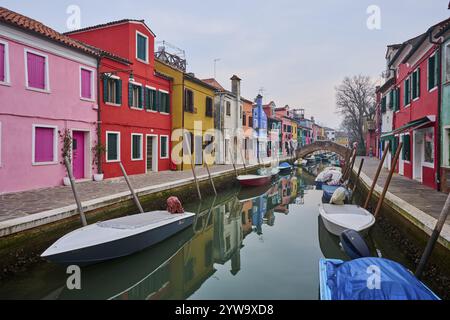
<point x="328" y="192"/>
<point x="357" y="280"/>
<point x="338" y="218"/>
<point x="253" y="180"/>
<point x="116" y="238"/>
<point x="285" y="166"/>
<point x="268" y="171"/>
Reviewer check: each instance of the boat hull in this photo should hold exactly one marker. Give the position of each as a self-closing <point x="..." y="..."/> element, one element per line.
<point x="122" y="247"/>
<point x="256" y="182"/>
<point x="346" y="217"/>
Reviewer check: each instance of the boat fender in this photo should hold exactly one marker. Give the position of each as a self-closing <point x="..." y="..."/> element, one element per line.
<point x="354" y="245"/>
<point x="174" y="206"/>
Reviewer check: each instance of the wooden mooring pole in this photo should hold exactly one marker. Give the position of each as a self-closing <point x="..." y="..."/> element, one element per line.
<point x="388" y="181"/>
<point x="349" y="165"/>
<point x="358" y="175"/>
<point x="74" y="190"/>
<point x="377" y="175"/>
<point x="133" y="193"/>
<point x="188" y="147"/>
<point x="434" y="238"/>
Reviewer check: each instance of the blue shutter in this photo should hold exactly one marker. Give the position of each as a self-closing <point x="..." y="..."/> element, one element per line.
<point x="130" y="94"/>
<point x="118" y="91"/>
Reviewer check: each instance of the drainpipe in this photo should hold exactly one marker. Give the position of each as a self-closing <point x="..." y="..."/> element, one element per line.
<point x="438" y="117"/>
<point x="99" y="122"/>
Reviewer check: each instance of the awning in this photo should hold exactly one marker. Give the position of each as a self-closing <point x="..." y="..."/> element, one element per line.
<point x="413" y="125"/>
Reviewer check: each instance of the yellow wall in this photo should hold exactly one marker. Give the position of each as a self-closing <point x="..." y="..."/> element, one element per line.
<point x="179" y="83"/>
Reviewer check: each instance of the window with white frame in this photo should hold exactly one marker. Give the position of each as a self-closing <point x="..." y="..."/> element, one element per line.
<point x="44" y="145"/>
<point x="112" y="146"/>
<point x="135" y="96"/>
<point x="4" y="62"/>
<point x="429" y="146"/>
<point x="86" y="83"/>
<point x="141" y="47"/>
<point x="416" y="84"/>
<point x="136" y="146"/>
<point x="37" y="77"/>
<point x="433" y="71"/>
<point x="112" y="90"/>
<point x="164" y="145"/>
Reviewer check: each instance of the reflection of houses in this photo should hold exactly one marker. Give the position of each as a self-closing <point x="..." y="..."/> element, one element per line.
<point x="228" y="234"/>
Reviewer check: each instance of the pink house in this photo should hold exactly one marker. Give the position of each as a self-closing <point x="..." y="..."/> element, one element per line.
<point x="48" y="83"/>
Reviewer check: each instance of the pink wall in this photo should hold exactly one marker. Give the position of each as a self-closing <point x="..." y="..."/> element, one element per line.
<point x="22" y="108"/>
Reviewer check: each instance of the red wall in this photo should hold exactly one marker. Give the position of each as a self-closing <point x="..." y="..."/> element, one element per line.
<point x="121" y="40"/>
<point x="426" y="105"/>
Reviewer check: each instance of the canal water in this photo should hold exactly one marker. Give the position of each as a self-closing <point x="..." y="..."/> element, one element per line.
<point x="262" y="243"/>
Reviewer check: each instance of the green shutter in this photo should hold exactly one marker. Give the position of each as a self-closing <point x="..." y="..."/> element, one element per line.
<point x="105" y="90"/>
<point x="398" y="98"/>
<point x="432" y="72"/>
<point x="391" y="99"/>
<point x="158" y="101"/>
<point x="146" y="98"/>
<point x="118" y="91"/>
<point x="383" y="105"/>
<point x="418" y="82"/>
<point x="141" y="97"/>
<point x="406" y="154"/>
<point x="154" y="106"/>
<point x="130" y="94"/>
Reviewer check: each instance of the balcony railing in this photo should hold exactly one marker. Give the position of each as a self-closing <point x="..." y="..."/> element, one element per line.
<point x="171" y="59"/>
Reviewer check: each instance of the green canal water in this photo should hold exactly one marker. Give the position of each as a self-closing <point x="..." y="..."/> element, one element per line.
<point x="245" y="244"/>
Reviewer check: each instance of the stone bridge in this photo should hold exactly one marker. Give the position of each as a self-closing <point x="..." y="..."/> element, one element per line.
<point x="324" y="146"/>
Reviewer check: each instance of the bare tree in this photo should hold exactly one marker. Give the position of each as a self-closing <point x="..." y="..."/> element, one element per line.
<point x="355" y="100"/>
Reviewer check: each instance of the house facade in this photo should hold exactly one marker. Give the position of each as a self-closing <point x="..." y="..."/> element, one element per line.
<point x="247" y="127"/>
<point x="228" y="113"/>
<point x="135" y="102"/>
<point x="48" y="85"/>
<point x="445" y="112"/>
<point x="260" y="129"/>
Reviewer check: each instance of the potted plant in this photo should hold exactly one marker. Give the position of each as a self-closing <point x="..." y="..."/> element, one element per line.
<point x="66" y="150"/>
<point x="98" y="151"/>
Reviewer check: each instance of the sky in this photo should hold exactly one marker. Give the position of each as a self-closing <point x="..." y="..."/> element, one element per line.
<point x="297" y="51"/>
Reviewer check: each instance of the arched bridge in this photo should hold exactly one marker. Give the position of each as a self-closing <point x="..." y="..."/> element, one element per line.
<point x="324" y="146"/>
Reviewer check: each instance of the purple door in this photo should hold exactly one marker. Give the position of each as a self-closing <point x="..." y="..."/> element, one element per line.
<point x="78" y="154"/>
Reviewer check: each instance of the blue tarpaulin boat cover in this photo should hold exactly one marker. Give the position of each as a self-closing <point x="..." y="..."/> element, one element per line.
<point x="374" y="279"/>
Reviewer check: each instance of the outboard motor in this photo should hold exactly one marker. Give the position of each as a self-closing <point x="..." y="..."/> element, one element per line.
<point x="354" y="245"/>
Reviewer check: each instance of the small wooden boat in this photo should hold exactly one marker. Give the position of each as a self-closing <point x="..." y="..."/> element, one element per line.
<point x="339" y="218"/>
<point x="116" y="238"/>
<point x="253" y="180"/>
<point x="350" y="280"/>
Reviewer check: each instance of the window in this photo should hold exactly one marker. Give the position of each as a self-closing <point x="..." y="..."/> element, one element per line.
<point x="390" y="100"/>
<point x="44" y="145"/>
<point x="250" y="121"/>
<point x="86" y="84"/>
<point x="112" y="146"/>
<point x="429" y="146"/>
<point x="396" y="99"/>
<point x="150" y="99"/>
<point x="228" y="108"/>
<point x="407" y="93"/>
<point x="244" y="120"/>
<point x="209" y="107"/>
<point x="188" y="100"/>
<point x="37" y="71"/>
<point x="433" y="72"/>
<point x="135" y="96"/>
<point x="406" y="151"/>
<point x="164" y="102"/>
<point x="4" y="62"/>
<point x="112" y="91"/>
<point x="447" y="63"/>
<point x="164" y="143"/>
<point x="416" y="84"/>
<point x="141" y="47"/>
<point x="136" y="147"/>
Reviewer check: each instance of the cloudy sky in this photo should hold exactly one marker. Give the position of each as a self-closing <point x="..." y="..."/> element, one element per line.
<point x="298" y="51"/>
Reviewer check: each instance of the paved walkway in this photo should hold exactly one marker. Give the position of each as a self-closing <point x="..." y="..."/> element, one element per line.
<point x="416" y="194"/>
<point x="23" y="204"/>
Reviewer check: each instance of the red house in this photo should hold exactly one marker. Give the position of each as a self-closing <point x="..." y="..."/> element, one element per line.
<point x="135" y="102"/>
<point x="414" y="101"/>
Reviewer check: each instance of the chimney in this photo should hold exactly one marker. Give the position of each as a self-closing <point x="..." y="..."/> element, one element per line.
<point x="312" y="120"/>
<point x="236" y="86"/>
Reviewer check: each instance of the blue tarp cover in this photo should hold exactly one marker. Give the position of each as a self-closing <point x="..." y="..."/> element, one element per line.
<point x="284" y="165"/>
<point x="354" y="280"/>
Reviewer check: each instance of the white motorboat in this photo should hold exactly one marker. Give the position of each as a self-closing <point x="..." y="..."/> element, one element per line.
<point x="339" y="218"/>
<point x="116" y="238"/>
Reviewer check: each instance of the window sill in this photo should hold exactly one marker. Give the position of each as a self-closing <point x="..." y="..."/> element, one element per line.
<point x="38" y="90"/>
<point x="415" y="99"/>
<point x="87" y="99"/>
<point x="165" y="113"/>
<point x="433" y="89"/>
<point x="165" y="158"/>
<point x="428" y="165"/>
<point x="136" y="108"/>
<point x="112" y="104"/>
<point x="40" y="164"/>
<point x="113" y="161"/>
<point x="151" y="111"/>
<point x="136" y="160"/>
<point x="142" y="61"/>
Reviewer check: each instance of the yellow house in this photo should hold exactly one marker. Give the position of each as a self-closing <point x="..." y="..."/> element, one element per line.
<point x="294" y="130"/>
<point x="193" y="111"/>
